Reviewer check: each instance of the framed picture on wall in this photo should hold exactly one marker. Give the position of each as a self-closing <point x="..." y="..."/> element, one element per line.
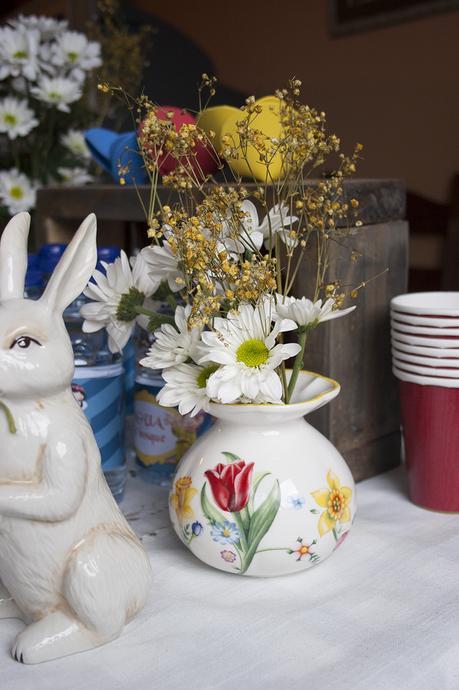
<point x="347" y="16"/>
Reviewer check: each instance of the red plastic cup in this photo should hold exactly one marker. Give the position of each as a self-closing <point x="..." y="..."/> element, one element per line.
<point x="430" y="419"/>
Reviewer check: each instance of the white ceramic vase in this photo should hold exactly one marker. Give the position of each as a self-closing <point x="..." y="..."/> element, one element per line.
<point x="263" y="493"/>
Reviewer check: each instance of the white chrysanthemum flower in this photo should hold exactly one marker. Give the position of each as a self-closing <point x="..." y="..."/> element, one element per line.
<point x="47" y="26"/>
<point x="174" y="344"/>
<point x="163" y="265"/>
<point x="141" y="275"/>
<point x="74" y="177"/>
<point x="19" y="52"/>
<point x="57" y="91"/>
<point x="307" y="313"/>
<point x="278" y="221"/>
<point x="73" y="53"/>
<point x="74" y="141"/>
<point x="186" y="388"/>
<point x="245" y="345"/>
<point x="16" y="118"/>
<point x="17" y="192"/>
<point x="116" y="296"/>
<point x="249" y="235"/>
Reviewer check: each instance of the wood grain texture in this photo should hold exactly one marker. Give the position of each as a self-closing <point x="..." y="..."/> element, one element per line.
<point x="355" y="350"/>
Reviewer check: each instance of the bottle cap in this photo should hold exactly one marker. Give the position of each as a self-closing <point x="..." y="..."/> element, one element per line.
<point x="49" y="255"/>
<point x="107" y="254"/>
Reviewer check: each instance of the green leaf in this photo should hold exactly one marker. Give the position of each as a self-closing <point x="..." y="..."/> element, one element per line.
<point x="244" y="520"/>
<point x="258" y="478"/>
<point x="230" y="456"/>
<point x="260" y="523"/>
<point x="212" y="514"/>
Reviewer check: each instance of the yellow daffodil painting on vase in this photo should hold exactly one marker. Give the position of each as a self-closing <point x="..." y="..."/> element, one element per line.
<point x="335" y="499"/>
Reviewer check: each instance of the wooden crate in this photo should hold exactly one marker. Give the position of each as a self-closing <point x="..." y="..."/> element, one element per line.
<point x="363" y="422"/>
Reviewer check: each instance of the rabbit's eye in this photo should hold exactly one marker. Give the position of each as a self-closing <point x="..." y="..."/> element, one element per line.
<point x="23" y="342"/>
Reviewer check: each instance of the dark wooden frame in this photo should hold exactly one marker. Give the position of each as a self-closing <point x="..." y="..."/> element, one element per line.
<point x="378" y="14"/>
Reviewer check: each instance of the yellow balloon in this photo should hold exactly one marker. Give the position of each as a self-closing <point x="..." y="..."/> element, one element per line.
<point x="222" y="120"/>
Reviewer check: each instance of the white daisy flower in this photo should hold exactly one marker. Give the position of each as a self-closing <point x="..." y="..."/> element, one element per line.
<point x="278" y="221"/>
<point x="17" y="192"/>
<point x="174" y="345"/>
<point x="307" y="313"/>
<point x="47" y="26"/>
<point x="19" y="52"/>
<point x="245" y="344"/>
<point x="74" y="141"/>
<point x="116" y="296"/>
<point x="186" y="388"/>
<point x="163" y="265"/>
<point x="16" y="119"/>
<point x="247" y="230"/>
<point x="57" y="91"/>
<point x="74" y="53"/>
<point x="74" y="177"/>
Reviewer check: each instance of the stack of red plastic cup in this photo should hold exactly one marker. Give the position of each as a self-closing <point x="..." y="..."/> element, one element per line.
<point x="425" y="358"/>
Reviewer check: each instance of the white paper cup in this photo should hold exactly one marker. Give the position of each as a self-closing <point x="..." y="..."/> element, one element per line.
<point x="423" y="330"/>
<point x="426" y="371"/>
<point x="430" y="321"/>
<point x="425" y="341"/>
<point x="430" y="303"/>
<point x="427" y="351"/>
<point x="436" y="362"/>
<point x="424" y="380"/>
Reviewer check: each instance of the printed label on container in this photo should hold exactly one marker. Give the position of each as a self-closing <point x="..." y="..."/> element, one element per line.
<point x="162" y="434"/>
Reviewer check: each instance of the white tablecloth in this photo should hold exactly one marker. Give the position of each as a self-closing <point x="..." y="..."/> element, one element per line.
<point x="381" y="614"/>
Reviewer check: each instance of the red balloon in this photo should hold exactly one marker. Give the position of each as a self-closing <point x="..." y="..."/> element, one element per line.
<point x="205" y="160"/>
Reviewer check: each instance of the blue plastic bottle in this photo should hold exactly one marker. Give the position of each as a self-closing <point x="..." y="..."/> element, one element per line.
<point x="98" y="385"/>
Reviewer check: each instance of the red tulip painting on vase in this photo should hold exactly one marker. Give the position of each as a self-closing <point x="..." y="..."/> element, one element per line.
<point x="242" y="526"/>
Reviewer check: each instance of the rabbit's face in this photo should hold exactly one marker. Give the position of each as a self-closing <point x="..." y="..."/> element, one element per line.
<point x="36" y="358"/>
<point x="35" y="353"/>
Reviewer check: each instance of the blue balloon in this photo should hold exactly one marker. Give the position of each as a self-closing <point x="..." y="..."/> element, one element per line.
<point x="113" y="151"/>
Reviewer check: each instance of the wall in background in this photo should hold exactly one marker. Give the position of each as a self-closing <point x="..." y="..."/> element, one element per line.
<point x="393" y="89"/>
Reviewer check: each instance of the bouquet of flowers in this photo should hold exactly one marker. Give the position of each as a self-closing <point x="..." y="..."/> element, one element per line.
<point x="43" y="69"/>
<point x="226" y="255"/>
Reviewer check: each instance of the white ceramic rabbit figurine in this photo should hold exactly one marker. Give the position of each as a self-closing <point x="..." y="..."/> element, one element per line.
<point x="70" y="565"/>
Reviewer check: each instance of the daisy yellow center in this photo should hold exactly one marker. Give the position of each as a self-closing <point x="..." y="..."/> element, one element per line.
<point x="252" y="353"/>
<point x="54" y="96"/>
<point x="16" y="192"/>
<point x="226" y="532"/>
<point x="9" y="119"/>
<point x="336" y="504"/>
<point x="127" y="305"/>
<point x="20" y="54"/>
<point x="72" y="56"/>
<point x="204" y="375"/>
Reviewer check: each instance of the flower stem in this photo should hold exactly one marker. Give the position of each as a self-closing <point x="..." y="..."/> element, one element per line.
<point x="297" y="365"/>
<point x="156" y="319"/>
<point x="9" y="417"/>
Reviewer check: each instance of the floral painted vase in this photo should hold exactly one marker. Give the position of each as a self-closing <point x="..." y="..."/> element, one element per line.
<point x="263" y="493"/>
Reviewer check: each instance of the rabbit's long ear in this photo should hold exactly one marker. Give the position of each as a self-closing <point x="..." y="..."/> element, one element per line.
<point x="13" y="257"/>
<point x="75" y="267"/>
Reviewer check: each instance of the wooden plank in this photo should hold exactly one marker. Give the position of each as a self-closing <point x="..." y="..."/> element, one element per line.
<point x="356" y="350"/>
<point x="380" y="200"/>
